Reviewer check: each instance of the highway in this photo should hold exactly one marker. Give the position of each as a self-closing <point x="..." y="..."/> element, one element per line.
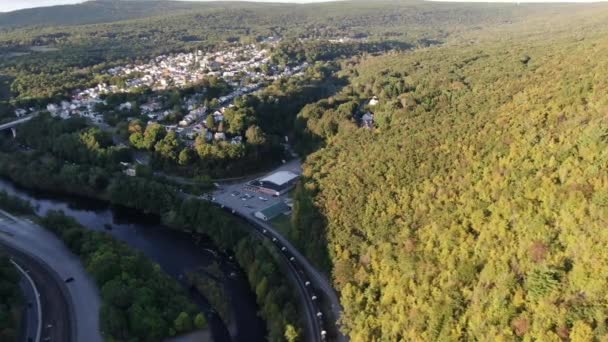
<point x="70" y="311"/>
<point x="309" y="279"/>
<point x="46" y="300"/>
<point x="33" y="313"/>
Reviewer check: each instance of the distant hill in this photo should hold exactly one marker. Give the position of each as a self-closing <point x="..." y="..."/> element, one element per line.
<point x="104" y="11"/>
<point x="56" y="45"/>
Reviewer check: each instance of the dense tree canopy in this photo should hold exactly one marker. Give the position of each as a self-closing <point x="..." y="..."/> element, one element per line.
<point x="140" y="302"/>
<point x="475" y="209"/>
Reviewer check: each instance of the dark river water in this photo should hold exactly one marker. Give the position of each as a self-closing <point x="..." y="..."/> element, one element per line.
<point x="177" y="253"/>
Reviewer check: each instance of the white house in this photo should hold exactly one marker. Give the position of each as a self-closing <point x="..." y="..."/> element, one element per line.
<point x="374" y="101"/>
<point x="236" y="140"/>
<point x="19" y="112"/>
<point x="125" y="106"/>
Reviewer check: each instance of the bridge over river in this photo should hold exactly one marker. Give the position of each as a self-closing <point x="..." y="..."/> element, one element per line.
<point x="13" y="124"/>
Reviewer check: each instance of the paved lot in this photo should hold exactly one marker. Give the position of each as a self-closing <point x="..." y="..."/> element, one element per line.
<point x="55" y="263"/>
<point x="233" y="195"/>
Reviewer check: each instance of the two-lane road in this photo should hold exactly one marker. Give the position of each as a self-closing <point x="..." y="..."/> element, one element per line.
<point x="306" y="275"/>
<point x="314" y="320"/>
<point x="33" y="309"/>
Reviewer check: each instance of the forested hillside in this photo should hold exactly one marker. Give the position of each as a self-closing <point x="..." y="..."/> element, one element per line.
<point x="476" y="208"/>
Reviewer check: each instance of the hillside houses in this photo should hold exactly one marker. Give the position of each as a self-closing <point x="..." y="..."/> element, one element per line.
<point x="81" y="105"/>
<point x="192" y="116"/>
<point x="182" y="69"/>
<point x="239" y="66"/>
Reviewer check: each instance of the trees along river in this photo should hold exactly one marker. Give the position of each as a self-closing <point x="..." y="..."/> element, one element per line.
<point x="176" y="252"/>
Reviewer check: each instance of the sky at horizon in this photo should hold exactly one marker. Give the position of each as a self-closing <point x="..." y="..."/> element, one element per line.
<point x="13" y="5"/>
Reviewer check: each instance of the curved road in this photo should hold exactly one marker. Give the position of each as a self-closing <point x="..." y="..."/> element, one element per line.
<point x="50" y="264"/>
<point x="46" y="300"/>
<point x="314" y="322"/>
<point x="306" y="275"/>
<point x="33" y="313"/>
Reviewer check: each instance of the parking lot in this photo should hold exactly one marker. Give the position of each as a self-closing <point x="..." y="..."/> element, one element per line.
<point x="245" y="199"/>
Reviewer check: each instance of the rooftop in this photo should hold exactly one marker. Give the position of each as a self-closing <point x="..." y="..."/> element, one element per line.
<point x="280" y="177"/>
<point x="275" y="210"/>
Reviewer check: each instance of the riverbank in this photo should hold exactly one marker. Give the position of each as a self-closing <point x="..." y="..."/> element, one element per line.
<point x="176" y="252"/>
<point x="200" y="220"/>
<point x="139" y="300"/>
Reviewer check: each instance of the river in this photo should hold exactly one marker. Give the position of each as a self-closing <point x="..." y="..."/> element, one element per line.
<point x="176" y="252"/>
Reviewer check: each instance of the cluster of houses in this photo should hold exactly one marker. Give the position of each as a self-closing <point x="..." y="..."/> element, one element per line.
<point x="239" y="66"/>
<point x="82" y="104"/>
<point x="180" y="70"/>
<point x="166" y="71"/>
<point x="343" y="40"/>
<point x="194" y="125"/>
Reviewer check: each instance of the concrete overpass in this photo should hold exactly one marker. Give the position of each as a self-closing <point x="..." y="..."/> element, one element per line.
<point x="12" y="125"/>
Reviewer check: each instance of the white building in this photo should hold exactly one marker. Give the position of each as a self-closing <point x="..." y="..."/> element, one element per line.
<point x="125" y="106"/>
<point x="19" y="112"/>
<point x="277" y="183"/>
<point x="374" y="101"/>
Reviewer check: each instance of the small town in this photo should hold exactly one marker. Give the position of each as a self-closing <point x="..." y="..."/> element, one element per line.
<point x="246" y="69"/>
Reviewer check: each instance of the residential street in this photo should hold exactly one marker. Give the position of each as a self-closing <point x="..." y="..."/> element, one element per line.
<point x="50" y="263"/>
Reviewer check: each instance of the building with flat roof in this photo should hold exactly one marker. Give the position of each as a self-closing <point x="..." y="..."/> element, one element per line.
<point x="272" y="211"/>
<point x="277" y="183"/>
